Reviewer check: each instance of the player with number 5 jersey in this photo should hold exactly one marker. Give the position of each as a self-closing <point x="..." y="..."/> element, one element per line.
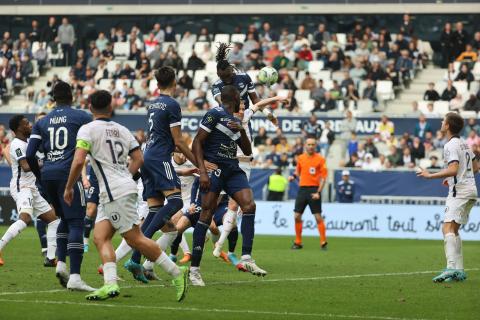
<point x="56" y="133"/>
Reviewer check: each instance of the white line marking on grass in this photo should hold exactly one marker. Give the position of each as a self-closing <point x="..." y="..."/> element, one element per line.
<point x="193" y="309"/>
<point x="262" y="280"/>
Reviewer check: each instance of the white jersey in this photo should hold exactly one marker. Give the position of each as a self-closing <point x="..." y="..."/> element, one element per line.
<point x="109" y="145"/>
<point x="248" y="114"/>
<point x="463" y="184"/>
<point x="185" y="181"/>
<point x="20" y="179"/>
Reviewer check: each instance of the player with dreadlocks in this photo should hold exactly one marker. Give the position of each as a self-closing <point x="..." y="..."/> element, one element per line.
<point x="229" y="75"/>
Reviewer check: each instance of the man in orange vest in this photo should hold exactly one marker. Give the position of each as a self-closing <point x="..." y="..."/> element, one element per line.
<point x="312" y="171"/>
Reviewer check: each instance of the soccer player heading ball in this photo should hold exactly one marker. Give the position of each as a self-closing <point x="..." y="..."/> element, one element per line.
<point x="461" y="165"/>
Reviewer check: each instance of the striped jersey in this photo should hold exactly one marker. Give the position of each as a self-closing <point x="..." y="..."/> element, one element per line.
<point x="20" y="179"/>
<point x="109" y="145"/>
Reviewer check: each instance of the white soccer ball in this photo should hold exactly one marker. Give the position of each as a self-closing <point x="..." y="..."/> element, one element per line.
<point x="268" y="76"/>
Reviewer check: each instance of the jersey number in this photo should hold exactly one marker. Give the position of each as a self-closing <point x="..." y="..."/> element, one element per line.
<point x="469" y="163"/>
<point x="116" y="150"/>
<point x="58" y="138"/>
<point x="150" y="120"/>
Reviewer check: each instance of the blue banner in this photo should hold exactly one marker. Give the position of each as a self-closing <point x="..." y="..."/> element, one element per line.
<point x="290" y="125"/>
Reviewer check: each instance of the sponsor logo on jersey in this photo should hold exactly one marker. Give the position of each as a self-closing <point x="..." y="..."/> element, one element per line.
<point x="18" y="152"/>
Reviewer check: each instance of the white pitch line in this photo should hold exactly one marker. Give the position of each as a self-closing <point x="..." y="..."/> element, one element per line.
<point x="223" y="311"/>
<point x="262" y="280"/>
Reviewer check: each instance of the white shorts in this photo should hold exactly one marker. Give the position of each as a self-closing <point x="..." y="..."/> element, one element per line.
<point x="31" y="202"/>
<point x="458" y="209"/>
<point x="122" y="213"/>
<point x="246" y="167"/>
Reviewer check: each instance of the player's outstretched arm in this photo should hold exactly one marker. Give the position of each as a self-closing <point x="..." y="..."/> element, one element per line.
<point x="136" y="161"/>
<point x="75" y="172"/>
<point x="182" y="145"/>
<point x="450" y="171"/>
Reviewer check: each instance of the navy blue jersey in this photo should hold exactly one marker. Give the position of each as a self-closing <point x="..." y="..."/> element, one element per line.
<point x="163" y="114"/>
<point x="242" y="82"/>
<point x="221" y="145"/>
<point x="56" y="134"/>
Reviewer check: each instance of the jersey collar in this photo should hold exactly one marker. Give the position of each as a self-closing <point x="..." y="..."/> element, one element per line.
<point x="455" y="136"/>
<point x="104" y="119"/>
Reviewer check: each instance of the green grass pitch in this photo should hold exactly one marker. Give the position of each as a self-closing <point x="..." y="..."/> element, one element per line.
<point x="354" y="279"/>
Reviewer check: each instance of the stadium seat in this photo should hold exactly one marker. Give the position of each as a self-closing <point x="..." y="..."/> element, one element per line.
<point x="323" y="74"/>
<point x="315" y="67"/>
<point x="132" y="63"/>
<point x="184" y="47"/>
<point x="112" y="64"/>
<point x="468" y="114"/>
<point x="302" y="95"/>
<point x="440" y="86"/>
<point x="338" y="75"/>
<point x="461" y="86"/>
<point x="476" y="70"/>
<point x="456" y="65"/>
<point x="198" y="77"/>
<point x="137" y="84"/>
<point x="422" y="106"/>
<point x="364" y="106"/>
<point x="35" y="73"/>
<point x="104" y="84"/>
<point x="211" y="68"/>
<point x="200" y="47"/>
<point x="283" y="93"/>
<point x="192" y="94"/>
<point x="342" y="39"/>
<point x="166" y="45"/>
<point x="441" y="107"/>
<point x="237" y="37"/>
<point x="120" y="82"/>
<point x="222" y="37"/>
<point x="385" y="90"/>
<point x="307" y="105"/>
<point x="424" y="163"/>
<point x="55" y="56"/>
<point x="121" y="50"/>
<point x="328" y="84"/>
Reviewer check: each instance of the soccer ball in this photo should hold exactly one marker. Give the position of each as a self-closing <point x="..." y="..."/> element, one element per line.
<point x="268" y="76"/>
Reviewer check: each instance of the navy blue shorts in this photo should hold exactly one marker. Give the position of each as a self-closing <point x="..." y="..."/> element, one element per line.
<point x="54" y="190"/>
<point x="230" y="179"/>
<point x="94" y="190"/>
<point x="158" y="176"/>
<point x="217" y="214"/>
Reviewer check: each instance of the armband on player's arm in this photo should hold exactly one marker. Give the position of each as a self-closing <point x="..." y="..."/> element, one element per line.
<point x="83" y="144"/>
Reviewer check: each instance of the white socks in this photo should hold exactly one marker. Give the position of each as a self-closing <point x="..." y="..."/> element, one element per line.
<point x="165" y="241"/>
<point x="12" y="232"/>
<point x="75" y="277"/>
<point x="168" y="265"/>
<point x="215" y="237"/>
<point x="52" y="238"/>
<point x="229" y="222"/>
<point x="459" y="253"/>
<point x="61" y="267"/>
<point x="184" y="245"/>
<point x="122" y="250"/>
<point x="450" y="250"/>
<point x="110" y="273"/>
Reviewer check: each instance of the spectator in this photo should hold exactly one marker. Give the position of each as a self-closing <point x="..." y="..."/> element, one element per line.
<point x="357" y="73"/>
<point x="327" y="105"/>
<point x="281" y="61"/>
<point x="348" y="125"/>
<point x="282" y="161"/>
<point x="394" y="156"/>
<point x="417" y="149"/>
<point x="377" y="73"/>
<point x="434" y="163"/>
<point x="415" y="112"/>
<point x="318" y="94"/>
<point x="174" y="61"/>
<point x="401" y="42"/>
<point x="277" y="184"/>
<point x="354" y="161"/>
<point x="297" y="148"/>
<point x="422" y="127"/>
<point x="34" y="34"/>
<point x="473" y="139"/>
<point x="268" y="34"/>
<point x="369" y="164"/>
<point x="450" y="92"/>
<point x="42" y="99"/>
<point x="195" y="63"/>
<point x="283" y="146"/>
<point x="311" y="128"/>
<point x="94" y="59"/>
<point x="304" y="56"/>
<point x="186" y="82"/>
<point x="345" y="188"/>
<point x="132" y="100"/>
<point x="308" y="82"/>
<point x="465" y="75"/>
<point x="261" y="138"/>
<point x="336" y="91"/>
<point x="278" y="136"/>
<point x="431" y="113"/>
<point x="127" y="72"/>
<point x="407" y="159"/>
<point x="200" y="102"/>
<point x="151" y="43"/>
<point x="169" y="34"/>
<point x="461" y="38"/>
<point x="407" y="26"/>
<point x="351" y="97"/>
<point x="79" y="72"/>
<point x="66" y="34"/>
<point x="370" y="93"/>
<point x="101" y="42"/>
<point x="327" y="136"/>
<point x="472" y="104"/>
<point x="333" y="62"/>
<point x="371" y="148"/>
<point x="471" y="126"/>
<point x="272" y="53"/>
<point x="236" y="56"/>
<point x="49" y="33"/>
<point x="117" y="100"/>
<point x="158" y="32"/>
<point x="352" y="146"/>
<point x="456" y="104"/>
<point x="468" y="55"/>
<point x="182" y="98"/>
<point x="404" y="66"/>
<point x="431" y="94"/>
<point x="386" y="128"/>
<point x="476" y="41"/>
<point x="41" y="56"/>
<point x="320" y="37"/>
<point x="440" y="140"/>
